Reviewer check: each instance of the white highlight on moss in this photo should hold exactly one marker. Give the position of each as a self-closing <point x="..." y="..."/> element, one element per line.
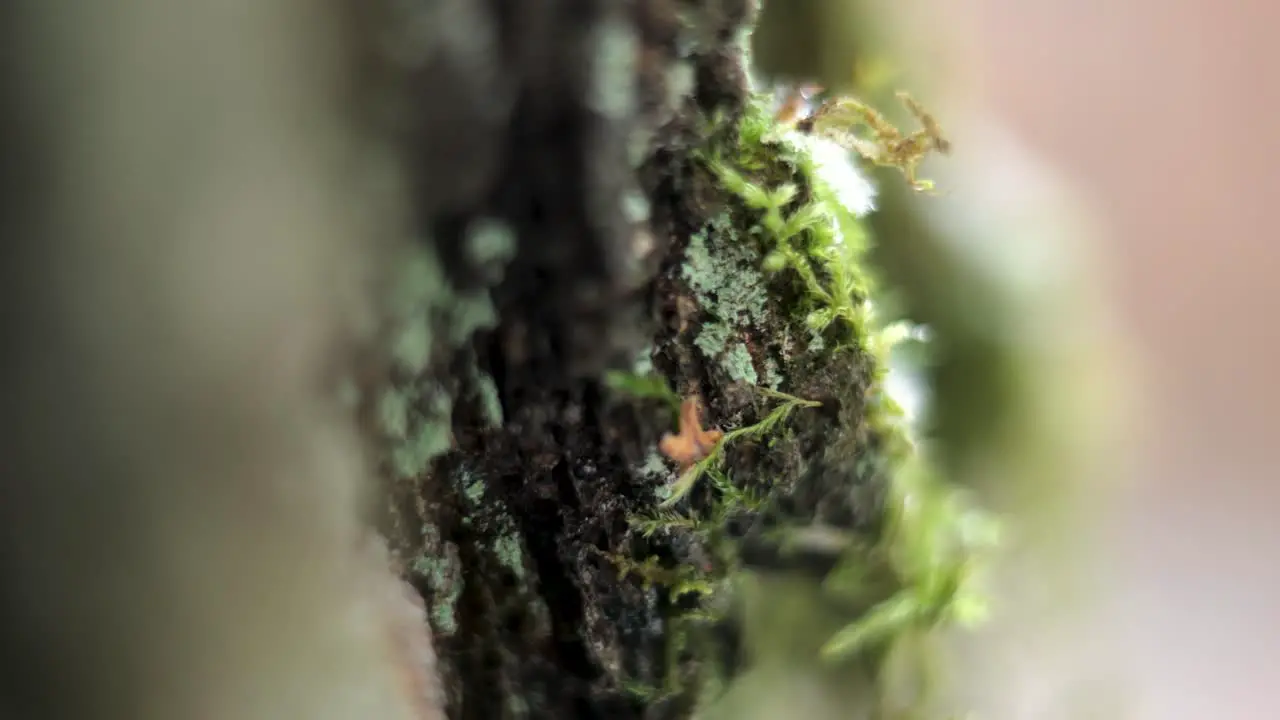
<point x="836" y="167"/>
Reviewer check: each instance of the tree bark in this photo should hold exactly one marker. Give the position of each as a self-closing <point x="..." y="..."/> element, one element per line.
<point x="585" y="234"/>
<point x="606" y="240"/>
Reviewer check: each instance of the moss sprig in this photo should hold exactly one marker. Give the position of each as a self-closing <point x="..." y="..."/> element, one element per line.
<point x="714" y="459"/>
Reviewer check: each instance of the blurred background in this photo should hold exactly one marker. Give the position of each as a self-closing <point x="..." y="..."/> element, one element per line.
<point x="1161" y="117"/>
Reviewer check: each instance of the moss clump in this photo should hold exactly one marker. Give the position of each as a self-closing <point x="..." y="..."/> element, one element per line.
<point x="780" y="279"/>
<point x="393" y="414"/>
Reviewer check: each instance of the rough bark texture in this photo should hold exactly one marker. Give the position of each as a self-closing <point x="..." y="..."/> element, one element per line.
<point x="584" y="234"/>
<point x="602" y="221"/>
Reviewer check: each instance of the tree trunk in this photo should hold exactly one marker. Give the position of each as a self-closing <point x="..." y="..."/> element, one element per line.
<point x="595" y="259"/>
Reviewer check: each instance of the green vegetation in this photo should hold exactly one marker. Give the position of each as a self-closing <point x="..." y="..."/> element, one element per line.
<point x="789" y="237"/>
<point x="714" y="460"/>
<point x="642" y="386"/>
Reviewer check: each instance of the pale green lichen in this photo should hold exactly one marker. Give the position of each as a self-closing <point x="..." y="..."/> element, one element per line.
<point x="713" y="338"/>
<point x="635" y="206"/>
<point x="510" y="553"/>
<point x="932" y="536"/>
<point x="393" y="414"/>
<point x="489" y="241"/>
<point x="468" y="313"/>
<point x="728" y="280"/>
<point x="411" y="347"/>
<point x="416" y="415"/>
<point x="418" y="287"/>
<point x="612" y="92"/>
<point x="680" y="82"/>
<point x="816" y="341"/>
<point x="724" y="274"/>
<point x="441" y="566"/>
<point x="772" y="377"/>
<point x="472" y="488"/>
<point x="654" y="467"/>
<point x="639" y="145"/>
<point x="492" y="519"/>
<point x="737" y="362"/>
<point x="427" y="439"/>
<point x="517" y="706"/>
<point x="643" y="364"/>
<point x="490" y="401"/>
<point x="822" y="245"/>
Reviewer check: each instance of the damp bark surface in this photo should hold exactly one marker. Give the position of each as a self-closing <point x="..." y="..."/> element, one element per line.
<point x="583" y="235"/>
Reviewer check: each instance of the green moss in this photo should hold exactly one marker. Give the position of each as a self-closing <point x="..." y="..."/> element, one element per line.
<point x="791" y="236"/>
<point x="650" y="386"/>
<point x="816" y="342"/>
